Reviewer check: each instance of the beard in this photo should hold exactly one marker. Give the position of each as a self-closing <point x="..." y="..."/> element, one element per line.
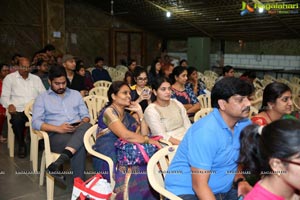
<point x="59" y="91"/>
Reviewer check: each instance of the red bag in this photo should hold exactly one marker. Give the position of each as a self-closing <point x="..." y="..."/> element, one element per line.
<point x="95" y="188"/>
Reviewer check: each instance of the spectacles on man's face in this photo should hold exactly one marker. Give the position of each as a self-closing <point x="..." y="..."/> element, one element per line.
<point x="290" y="161"/>
<point x="142" y="79"/>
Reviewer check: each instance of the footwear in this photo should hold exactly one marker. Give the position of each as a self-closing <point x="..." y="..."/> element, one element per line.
<point x="22" y="152"/>
<point x="3" y="139"/>
<point x="55" y="171"/>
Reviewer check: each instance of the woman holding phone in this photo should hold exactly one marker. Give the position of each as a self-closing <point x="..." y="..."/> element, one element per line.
<point x="140" y="92"/>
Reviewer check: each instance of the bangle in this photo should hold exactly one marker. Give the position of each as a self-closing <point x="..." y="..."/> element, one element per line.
<point x="146" y="139"/>
<point x="141" y="119"/>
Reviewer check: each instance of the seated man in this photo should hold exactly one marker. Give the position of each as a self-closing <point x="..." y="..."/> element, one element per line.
<point x="18" y="89"/>
<point x="54" y="111"/>
<point x="205" y="163"/>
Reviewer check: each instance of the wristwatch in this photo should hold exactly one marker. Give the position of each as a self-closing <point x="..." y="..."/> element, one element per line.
<point x="236" y="183"/>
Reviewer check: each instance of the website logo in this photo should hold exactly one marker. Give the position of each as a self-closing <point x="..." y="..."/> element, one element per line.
<point x="269" y="8"/>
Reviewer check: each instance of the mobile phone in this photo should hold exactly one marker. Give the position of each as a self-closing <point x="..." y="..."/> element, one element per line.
<point x="75" y="124"/>
<point x="146" y="91"/>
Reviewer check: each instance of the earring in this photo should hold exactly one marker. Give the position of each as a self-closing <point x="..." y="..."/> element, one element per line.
<point x="278" y="174"/>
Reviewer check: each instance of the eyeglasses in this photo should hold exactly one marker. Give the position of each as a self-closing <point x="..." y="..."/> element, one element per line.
<point x="289" y="161"/>
<point x="142" y="79"/>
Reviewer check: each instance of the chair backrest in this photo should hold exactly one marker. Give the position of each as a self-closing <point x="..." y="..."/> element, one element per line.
<point x="28" y="110"/>
<point x="253" y="111"/>
<point x="157" y="168"/>
<point x="296" y="103"/>
<point x="204" y="100"/>
<point x="94" y="104"/>
<point x="102" y="83"/>
<point x="201" y="113"/>
<point x="89" y="140"/>
<point x="100" y="91"/>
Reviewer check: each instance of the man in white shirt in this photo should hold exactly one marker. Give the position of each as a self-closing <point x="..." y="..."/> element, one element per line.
<point x="18" y="89"/>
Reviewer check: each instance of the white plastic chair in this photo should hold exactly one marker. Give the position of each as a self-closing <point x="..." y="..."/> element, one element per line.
<point x="102" y="83"/>
<point x="11" y="135"/>
<point x="204" y="100"/>
<point x="201" y="113"/>
<point x="158" y="164"/>
<point x="47" y="158"/>
<point x="34" y="141"/>
<point x="253" y="111"/>
<point x="100" y="91"/>
<point x="94" y="104"/>
<point x="89" y="140"/>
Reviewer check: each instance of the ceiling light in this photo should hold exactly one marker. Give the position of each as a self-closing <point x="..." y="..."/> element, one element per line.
<point x="168" y="14"/>
<point x="260" y="10"/>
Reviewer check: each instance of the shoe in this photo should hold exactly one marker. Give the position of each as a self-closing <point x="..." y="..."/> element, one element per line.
<point x="55" y="171"/>
<point x="22" y="152"/>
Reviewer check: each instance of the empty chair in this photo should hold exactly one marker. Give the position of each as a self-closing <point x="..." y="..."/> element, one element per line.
<point x="201" y="113"/>
<point x="204" y="100"/>
<point x="94" y="104"/>
<point x="157" y="168"/>
<point x="102" y="83"/>
<point x="100" y="91"/>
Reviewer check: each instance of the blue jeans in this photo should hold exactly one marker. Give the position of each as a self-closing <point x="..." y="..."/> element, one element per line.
<point x="230" y="195"/>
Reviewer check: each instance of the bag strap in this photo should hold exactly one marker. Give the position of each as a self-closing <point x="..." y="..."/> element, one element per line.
<point x="142" y="150"/>
<point x="95" y="180"/>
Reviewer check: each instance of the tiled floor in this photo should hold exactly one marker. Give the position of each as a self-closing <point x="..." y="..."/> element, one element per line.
<point x="17" y="182"/>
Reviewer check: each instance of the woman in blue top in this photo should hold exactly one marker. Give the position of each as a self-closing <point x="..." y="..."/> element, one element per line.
<point x="185" y="95"/>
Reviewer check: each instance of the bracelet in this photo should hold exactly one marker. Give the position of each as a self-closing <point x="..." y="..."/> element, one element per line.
<point x="146" y="139"/>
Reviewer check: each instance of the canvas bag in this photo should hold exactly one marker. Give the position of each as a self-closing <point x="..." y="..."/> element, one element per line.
<point x="95" y="188"/>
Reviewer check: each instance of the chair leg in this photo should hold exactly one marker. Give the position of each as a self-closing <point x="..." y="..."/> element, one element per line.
<point x="34" y="152"/>
<point x="50" y="187"/>
<point x="11" y="142"/>
<point x="43" y="166"/>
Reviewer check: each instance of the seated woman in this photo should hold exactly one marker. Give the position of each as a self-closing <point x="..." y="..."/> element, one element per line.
<point x="277" y="101"/>
<point x="184" y="95"/>
<point x="155" y="70"/>
<point x="165" y="116"/>
<point x="115" y="123"/>
<point x="140" y="92"/>
<point x="196" y="84"/>
<point x="272" y="152"/>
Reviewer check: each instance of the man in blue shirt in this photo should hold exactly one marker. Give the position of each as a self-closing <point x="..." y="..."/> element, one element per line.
<point x="205" y="161"/>
<point x="99" y="73"/>
<point x="55" y="111"/>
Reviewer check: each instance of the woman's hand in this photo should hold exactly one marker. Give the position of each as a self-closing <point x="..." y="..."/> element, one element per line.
<point x="134" y="107"/>
<point x="155" y="142"/>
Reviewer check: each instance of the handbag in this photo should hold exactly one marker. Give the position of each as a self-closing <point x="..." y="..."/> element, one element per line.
<point x="95" y="188"/>
<point x="134" y="153"/>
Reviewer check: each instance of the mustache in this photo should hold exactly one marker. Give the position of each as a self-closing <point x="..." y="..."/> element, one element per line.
<point x="246" y="109"/>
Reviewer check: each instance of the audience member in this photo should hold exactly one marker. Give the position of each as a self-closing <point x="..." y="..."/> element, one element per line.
<point x="194" y="83"/>
<point x="128" y="78"/>
<point x="228" y="71"/>
<point x="99" y="73"/>
<point x="80" y="70"/>
<point x="183" y="63"/>
<point x="74" y="81"/>
<point x="272" y="152"/>
<point x="42" y="72"/>
<point x="165" y="116"/>
<point x="140" y="92"/>
<point x="14" y="62"/>
<point x="184" y="95"/>
<point x="248" y="76"/>
<point x="54" y="111"/>
<point x="18" y="89"/>
<point x="206" y="159"/>
<point x="277" y="101"/>
<point x="114" y="123"/>
<point x="167" y="70"/>
<point x="155" y="71"/>
<point x="4" y="70"/>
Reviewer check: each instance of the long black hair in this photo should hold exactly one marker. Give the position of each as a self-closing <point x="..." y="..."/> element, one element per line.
<point x="279" y="139"/>
<point x="271" y="92"/>
<point x="114" y="89"/>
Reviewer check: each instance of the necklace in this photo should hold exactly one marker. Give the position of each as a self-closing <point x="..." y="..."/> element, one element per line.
<point x="269" y="116"/>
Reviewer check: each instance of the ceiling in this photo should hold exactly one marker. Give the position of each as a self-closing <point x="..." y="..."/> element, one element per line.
<point x="206" y="18"/>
